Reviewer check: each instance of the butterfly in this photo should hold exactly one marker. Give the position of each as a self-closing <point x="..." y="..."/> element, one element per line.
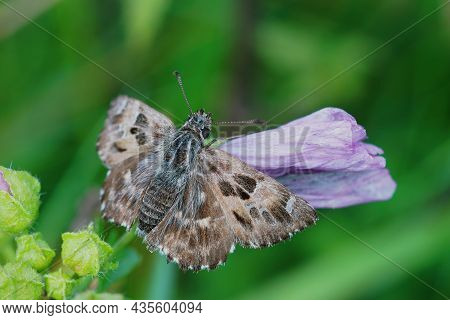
<point x="190" y="201"/>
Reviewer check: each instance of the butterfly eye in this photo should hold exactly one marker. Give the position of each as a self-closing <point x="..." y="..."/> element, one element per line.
<point x="205" y="132"/>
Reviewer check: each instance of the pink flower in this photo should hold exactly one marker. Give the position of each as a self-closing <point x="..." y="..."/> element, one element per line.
<point x="320" y="157"/>
<point x="4" y="186"/>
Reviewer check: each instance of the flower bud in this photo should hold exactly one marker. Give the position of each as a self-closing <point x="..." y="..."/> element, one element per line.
<point x="85" y="253"/>
<point x="19" y="200"/>
<point x="8" y="249"/>
<point x="59" y="284"/>
<point x="20" y="281"/>
<point x="31" y="249"/>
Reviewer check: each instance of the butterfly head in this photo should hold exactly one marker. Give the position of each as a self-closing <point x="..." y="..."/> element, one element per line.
<point x="199" y="122"/>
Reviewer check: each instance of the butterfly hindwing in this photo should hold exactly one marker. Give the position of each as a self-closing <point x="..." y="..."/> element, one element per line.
<point x="130" y="128"/>
<point x="227" y="202"/>
<point x="119" y="197"/>
<point x="259" y="210"/>
<point x="132" y="131"/>
<point x="194" y="234"/>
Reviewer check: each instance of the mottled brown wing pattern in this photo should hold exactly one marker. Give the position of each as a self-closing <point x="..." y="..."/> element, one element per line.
<point x="237" y="204"/>
<point x="218" y="200"/>
<point x="194" y="240"/>
<point x="119" y="196"/>
<point x="131" y="131"/>
<point x="259" y="210"/>
<point x="130" y="128"/>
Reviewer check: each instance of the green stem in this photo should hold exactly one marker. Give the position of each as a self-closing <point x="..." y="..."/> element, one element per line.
<point x="164" y="278"/>
<point x="124" y="241"/>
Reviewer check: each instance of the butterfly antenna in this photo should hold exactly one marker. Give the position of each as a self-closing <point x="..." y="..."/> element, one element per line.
<point x="253" y="121"/>
<point x="180" y="84"/>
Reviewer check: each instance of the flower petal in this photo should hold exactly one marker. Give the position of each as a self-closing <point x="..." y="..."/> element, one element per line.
<point x="341" y="188"/>
<point x="325" y="149"/>
<point x="327" y="140"/>
<point x="4" y="186"/>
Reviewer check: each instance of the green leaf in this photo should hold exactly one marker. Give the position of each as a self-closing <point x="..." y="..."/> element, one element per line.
<point x="19" y="207"/>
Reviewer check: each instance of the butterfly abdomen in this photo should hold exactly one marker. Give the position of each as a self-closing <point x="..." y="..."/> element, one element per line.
<point x="155" y="205"/>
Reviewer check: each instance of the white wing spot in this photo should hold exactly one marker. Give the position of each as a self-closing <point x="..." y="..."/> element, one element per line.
<point x="290" y="204"/>
<point x="202" y="197"/>
<point x="204" y="222"/>
<point x="127" y="176"/>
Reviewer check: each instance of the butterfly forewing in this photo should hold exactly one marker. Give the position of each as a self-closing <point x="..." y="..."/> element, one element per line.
<point x="132" y="131"/>
<point x="235" y="204"/>
<point x="130" y="128"/>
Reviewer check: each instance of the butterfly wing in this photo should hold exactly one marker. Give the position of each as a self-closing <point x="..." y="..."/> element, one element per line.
<point x="132" y="131"/>
<point x="194" y="239"/>
<point x="130" y="128"/>
<point x="119" y="196"/>
<point x="227" y="202"/>
<point x="260" y="211"/>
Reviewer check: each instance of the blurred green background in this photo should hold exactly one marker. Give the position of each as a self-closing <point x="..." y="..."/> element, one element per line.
<point x="242" y="60"/>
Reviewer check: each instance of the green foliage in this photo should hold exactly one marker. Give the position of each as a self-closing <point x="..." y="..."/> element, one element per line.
<point x="84" y="255"/>
<point x="20" y="281"/>
<point x="318" y="52"/>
